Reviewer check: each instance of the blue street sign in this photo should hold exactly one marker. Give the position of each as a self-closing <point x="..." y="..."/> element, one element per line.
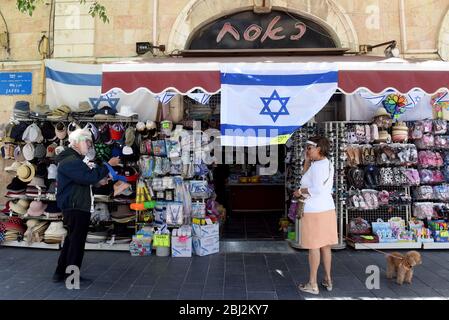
<point x="16" y="83"/>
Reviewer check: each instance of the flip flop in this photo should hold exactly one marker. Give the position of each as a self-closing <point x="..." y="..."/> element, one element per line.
<point x="327" y="285"/>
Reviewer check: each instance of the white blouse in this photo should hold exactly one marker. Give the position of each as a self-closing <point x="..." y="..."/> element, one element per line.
<point x="319" y="181"/>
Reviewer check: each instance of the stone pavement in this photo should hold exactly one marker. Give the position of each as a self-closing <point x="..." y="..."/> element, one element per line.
<point x="26" y="274"/>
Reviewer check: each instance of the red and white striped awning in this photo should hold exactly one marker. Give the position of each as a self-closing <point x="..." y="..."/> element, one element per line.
<point x="183" y="75"/>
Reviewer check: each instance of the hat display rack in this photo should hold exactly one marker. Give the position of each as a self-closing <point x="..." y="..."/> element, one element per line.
<point x="41" y="196"/>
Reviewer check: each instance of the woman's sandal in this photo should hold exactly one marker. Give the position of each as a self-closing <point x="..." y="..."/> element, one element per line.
<point x="327" y="285"/>
<point x="309" y="288"/>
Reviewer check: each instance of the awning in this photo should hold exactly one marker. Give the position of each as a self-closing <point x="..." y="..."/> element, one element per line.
<point x="183" y="75"/>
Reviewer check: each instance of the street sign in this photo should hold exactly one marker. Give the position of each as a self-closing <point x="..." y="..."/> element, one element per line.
<point x="16" y="83"/>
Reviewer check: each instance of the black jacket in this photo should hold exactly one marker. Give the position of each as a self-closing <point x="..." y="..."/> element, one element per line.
<point x="74" y="180"/>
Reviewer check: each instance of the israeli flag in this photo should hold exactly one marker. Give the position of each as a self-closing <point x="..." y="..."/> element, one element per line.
<point x="202" y="98"/>
<point x="263" y="104"/>
<point x="166" y="97"/>
<point x="70" y="83"/>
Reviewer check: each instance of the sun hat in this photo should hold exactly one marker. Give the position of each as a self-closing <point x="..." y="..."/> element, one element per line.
<point x="130" y="136"/>
<point x="52" y="171"/>
<point x="18" y="155"/>
<point x="19" y="207"/>
<point x="56" y="229"/>
<point x="13" y="167"/>
<point x="37" y="208"/>
<point x="32" y="134"/>
<point x="105" y="113"/>
<point x="26" y="172"/>
<point x="381" y="111"/>
<point x="28" y="151"/>
<point x="126" y="111"/>
<point x="84" y="106"/>
<point x="60" y="131"/>
<point x="15" y="224"/>
<point x="7" y="133"/>
<point x="59" y="113"/>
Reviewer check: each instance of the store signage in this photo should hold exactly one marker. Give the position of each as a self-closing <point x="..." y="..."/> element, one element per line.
<point x="16" y="83"/>
<point x="248" y="30"/>
<point x="254" y="32"/>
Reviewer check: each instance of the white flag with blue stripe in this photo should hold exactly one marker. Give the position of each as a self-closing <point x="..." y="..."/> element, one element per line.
<point x="70" y="83"/>
<point x="264" y="104"/>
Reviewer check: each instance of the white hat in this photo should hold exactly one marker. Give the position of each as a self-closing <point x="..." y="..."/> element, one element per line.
<point x="52" y="171"/>
<point x="28" y="151"/>
<point x="150" y="125"/>
<point x="33" y="134"/>
<point x="126" y="111"/>
<point x="13" y="167"/>
<point x="140" y="126"/>
<point x="59" y="149"/>
<point x="56" y="229"/>
<point x="127" y="151"/>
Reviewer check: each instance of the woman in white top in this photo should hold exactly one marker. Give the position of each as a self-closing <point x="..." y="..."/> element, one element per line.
<point x="319" y="222"/>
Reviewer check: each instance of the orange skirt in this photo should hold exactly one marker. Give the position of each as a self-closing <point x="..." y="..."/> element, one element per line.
<point x="319" y="229"/>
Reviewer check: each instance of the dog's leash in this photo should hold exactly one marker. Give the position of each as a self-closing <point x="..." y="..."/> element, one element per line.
<point x="380" y="251"/>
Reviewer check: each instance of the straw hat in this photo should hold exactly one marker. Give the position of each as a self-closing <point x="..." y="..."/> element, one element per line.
<point x="381" y="112"/>
<point x="26" y="172"/>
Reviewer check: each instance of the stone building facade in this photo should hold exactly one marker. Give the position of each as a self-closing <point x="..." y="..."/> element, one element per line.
<point x="421" y="29"/>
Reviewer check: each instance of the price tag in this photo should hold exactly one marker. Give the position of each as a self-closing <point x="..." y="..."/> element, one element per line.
<point x="161" y="240"/>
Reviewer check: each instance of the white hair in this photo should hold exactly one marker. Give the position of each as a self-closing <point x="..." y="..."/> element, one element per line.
<point x="79" y="135"/>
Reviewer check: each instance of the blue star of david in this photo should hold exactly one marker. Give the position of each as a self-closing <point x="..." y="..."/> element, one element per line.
<point x="275" y="97"/>
<point x="113" y="102"/>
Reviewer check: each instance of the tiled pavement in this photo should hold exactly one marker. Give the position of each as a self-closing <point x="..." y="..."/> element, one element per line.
<point x="26" y="274"/>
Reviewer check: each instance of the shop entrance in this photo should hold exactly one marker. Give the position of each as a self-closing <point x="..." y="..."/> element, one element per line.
<point x="255" y="203"/>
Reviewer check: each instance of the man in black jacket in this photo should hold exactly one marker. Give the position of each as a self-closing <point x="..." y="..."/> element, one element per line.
<point x="74" y="197"/>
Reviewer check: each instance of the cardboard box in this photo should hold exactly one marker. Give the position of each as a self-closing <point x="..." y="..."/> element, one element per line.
<point x="206" y="245"/>
<point x="207" y="230"/>
<point x="181" y="246"/>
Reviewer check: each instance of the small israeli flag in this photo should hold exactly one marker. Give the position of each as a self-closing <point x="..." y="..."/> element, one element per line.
<point x="202" y="98"/>
<point x="166" y="97"/>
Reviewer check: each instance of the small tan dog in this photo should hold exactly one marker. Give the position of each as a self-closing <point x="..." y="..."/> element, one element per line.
<point x="402" y="265"/>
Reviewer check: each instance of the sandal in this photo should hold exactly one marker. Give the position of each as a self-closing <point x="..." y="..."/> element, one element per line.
<point x="327" y="285"/>
<point x="309" y="288"/>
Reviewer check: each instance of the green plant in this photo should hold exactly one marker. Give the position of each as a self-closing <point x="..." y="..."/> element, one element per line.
<point x="96" y="9"/>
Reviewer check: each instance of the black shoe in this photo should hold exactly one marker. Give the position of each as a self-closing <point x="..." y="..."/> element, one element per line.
<point x="58" y="277"/>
